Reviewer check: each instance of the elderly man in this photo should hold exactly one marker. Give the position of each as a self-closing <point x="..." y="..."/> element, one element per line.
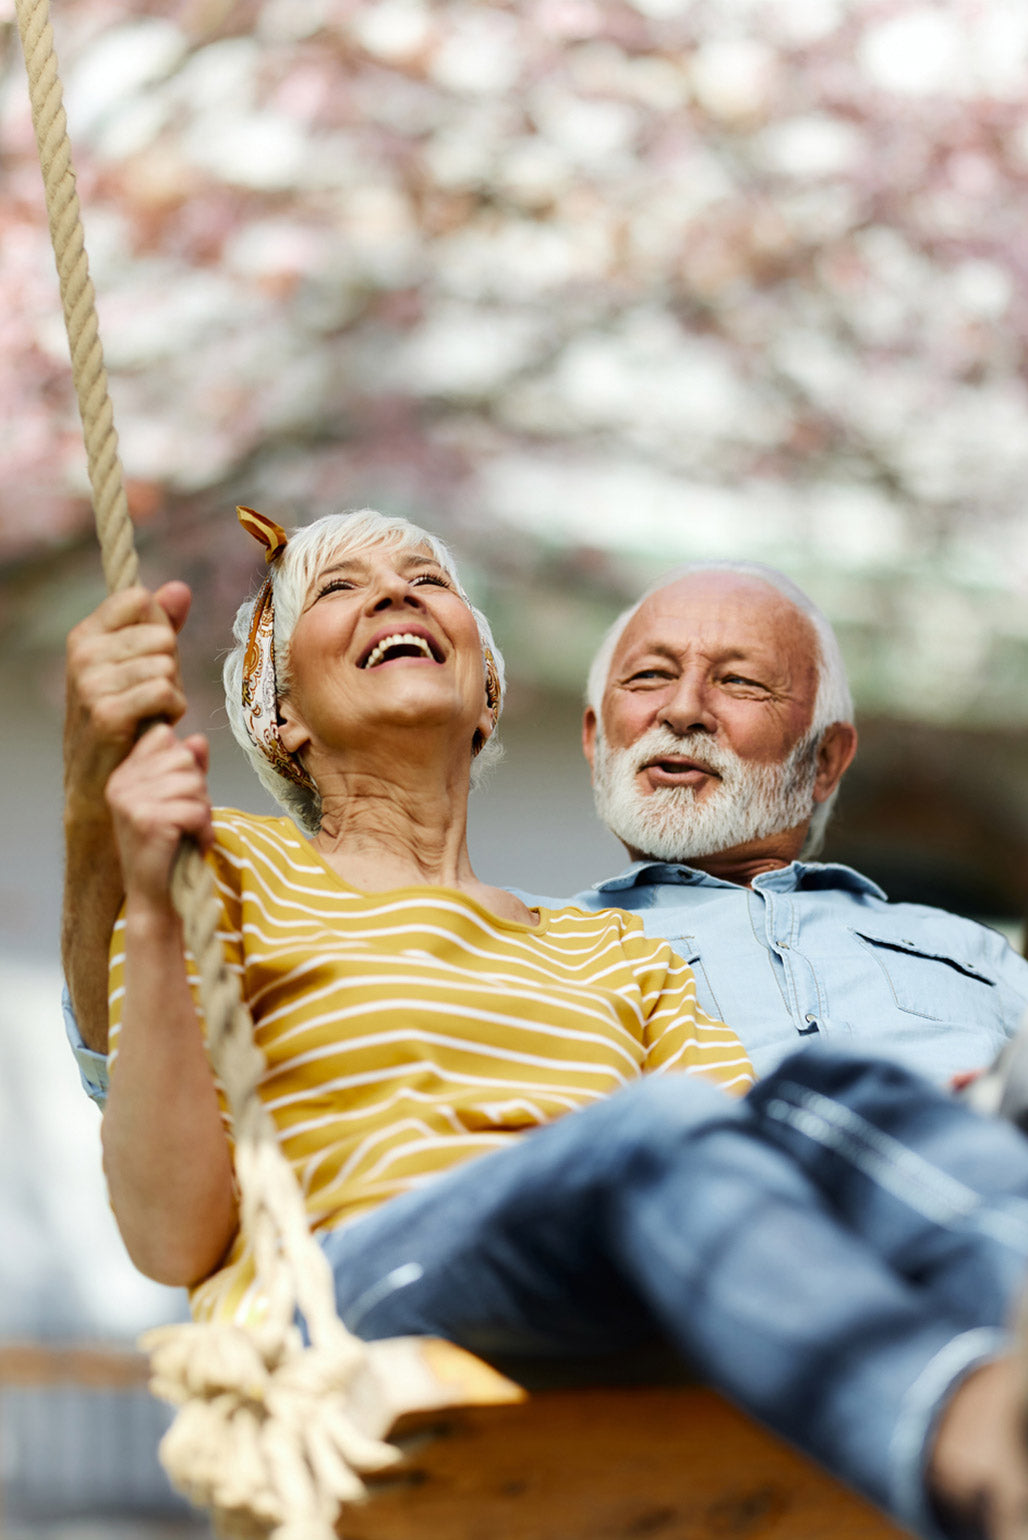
<point x="718" y="728"/>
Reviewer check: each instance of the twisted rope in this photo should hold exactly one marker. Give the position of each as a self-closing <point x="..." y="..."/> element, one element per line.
<point x="265" y="1435"/>
<point x="110" y="504"/>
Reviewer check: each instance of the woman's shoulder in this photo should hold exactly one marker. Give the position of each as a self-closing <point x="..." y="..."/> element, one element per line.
<point x="236" y="818"/>
<point x="573" y="920"/>
<point x="616" y="927"/>
<point x="239" y="835"/>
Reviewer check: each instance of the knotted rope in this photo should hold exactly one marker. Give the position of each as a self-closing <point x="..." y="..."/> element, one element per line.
<point x="266" y="1435"/>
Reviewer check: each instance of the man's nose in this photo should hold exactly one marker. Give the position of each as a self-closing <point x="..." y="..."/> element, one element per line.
<point x="687" y="707"/>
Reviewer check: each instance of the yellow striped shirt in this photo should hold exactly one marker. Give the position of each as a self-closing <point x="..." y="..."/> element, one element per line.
<point x="406" y="1031"/>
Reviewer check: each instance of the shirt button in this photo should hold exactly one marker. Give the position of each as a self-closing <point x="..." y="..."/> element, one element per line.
<point x="783" y="946"/>
<point x="810" y="1018"/>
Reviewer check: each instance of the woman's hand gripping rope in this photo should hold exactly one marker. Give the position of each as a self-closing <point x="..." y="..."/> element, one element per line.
<point x="271" y="1435"/>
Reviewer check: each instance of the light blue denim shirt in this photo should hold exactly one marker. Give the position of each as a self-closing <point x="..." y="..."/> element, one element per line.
<point x="816" y="953"/>
<point x="811" y="953"/>
<point x="92" y="1066"/>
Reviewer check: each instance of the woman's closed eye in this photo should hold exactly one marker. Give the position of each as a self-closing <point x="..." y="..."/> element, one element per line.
<point x="337" y="583"/>
<point x="334" y="585"/>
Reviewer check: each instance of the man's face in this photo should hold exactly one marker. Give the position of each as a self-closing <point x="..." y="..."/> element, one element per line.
<point x="704" y="743"/>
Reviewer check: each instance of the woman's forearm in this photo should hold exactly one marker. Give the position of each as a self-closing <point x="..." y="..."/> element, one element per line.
<point x="166" y="1155"/>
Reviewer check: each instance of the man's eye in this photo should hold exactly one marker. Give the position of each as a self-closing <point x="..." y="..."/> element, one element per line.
<point x="646" y="675"/>
<point x="753" y="684"/>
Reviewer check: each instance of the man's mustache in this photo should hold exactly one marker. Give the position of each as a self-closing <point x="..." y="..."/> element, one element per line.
<point x="663" y="743"/>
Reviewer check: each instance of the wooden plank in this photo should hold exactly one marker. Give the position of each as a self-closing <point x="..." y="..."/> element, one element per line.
<point x="606" y="1464"/>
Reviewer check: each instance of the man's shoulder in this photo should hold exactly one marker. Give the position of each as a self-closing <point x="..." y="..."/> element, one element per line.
<point x="928" y="920"/>
<point x="590" y="900"/>
<point x="921" y="930"/>
<point x="622" y="889"/>
<point x="842" y="892"/>
<point x="644" y="886"/>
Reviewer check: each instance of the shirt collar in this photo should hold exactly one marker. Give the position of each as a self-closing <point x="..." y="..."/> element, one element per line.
<point x="808" y="875"/>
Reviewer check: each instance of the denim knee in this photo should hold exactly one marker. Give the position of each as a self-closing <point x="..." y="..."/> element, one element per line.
<point x="649" y="1135"/>
<point x="646" y="1122"/>
<point x="845" y="1076"/>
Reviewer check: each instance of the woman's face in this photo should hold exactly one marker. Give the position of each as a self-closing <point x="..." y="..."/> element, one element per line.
<point x="384" y="641"/>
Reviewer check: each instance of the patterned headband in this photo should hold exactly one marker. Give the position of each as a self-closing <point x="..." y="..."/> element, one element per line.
<point x="260" y="686"/>
<point x="492" y="688"/>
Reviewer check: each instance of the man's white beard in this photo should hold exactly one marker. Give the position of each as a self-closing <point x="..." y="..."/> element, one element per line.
<point x="667" y="823"/>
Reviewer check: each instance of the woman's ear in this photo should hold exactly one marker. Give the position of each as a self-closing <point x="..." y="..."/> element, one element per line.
<point x="292" y="731"/>
<point x="484" y="730"/>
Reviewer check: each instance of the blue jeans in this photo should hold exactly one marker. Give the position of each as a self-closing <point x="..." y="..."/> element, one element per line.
<point x="835" y="1252"/>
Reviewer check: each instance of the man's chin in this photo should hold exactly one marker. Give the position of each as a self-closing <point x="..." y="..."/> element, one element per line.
<point x="676" y="825"/>
<point x="649" y="838"/>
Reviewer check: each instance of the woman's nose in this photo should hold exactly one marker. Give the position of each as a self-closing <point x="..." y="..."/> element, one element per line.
<point x="391" y="589"/>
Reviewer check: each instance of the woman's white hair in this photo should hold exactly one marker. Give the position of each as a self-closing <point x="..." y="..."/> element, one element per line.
<point x="306" y="553"/>
<point x="833" y="702"/>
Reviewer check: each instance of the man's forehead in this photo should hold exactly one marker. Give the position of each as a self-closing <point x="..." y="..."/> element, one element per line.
<point x="724" y="611"/>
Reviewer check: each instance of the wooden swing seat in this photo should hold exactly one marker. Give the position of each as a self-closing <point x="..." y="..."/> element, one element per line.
<point x="601" y="1461"/>
<point x="483" y="1459"/>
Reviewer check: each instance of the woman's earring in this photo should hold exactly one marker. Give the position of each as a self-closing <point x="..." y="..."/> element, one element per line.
<point x="492" y="685"/>
<point x="492" y="700"/>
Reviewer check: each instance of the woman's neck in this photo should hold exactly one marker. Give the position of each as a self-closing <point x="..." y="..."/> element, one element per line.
<point x="384" y="828"/>
<point x="381" y="832"/>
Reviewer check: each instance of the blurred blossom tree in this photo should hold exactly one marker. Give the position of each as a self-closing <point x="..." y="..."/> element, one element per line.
<point x="653" y="277"/>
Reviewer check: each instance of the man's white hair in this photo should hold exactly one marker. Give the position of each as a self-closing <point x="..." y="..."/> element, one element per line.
<point x="306" y="553"/>
<point x="833" y="702"/>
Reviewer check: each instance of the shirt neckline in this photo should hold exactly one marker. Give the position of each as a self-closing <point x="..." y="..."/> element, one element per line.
<point x="823" y="874"/>
<point x="420" y="891"/>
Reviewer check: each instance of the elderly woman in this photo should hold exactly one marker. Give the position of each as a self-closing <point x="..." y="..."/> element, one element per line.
<point x="838" y="1250"/>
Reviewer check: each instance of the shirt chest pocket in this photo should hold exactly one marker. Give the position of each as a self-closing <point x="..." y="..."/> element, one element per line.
<point x="939" y="985"/>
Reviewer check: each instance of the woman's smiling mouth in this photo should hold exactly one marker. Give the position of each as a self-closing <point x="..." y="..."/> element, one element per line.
<point x="400" y="644"/>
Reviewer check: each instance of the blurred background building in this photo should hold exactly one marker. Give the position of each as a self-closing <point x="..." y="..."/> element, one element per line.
<point x="590" y="287"/>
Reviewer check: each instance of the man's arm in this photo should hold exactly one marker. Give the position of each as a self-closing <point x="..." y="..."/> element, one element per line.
<point x="92" y="1066"/>
<point x="123" y="671"/>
